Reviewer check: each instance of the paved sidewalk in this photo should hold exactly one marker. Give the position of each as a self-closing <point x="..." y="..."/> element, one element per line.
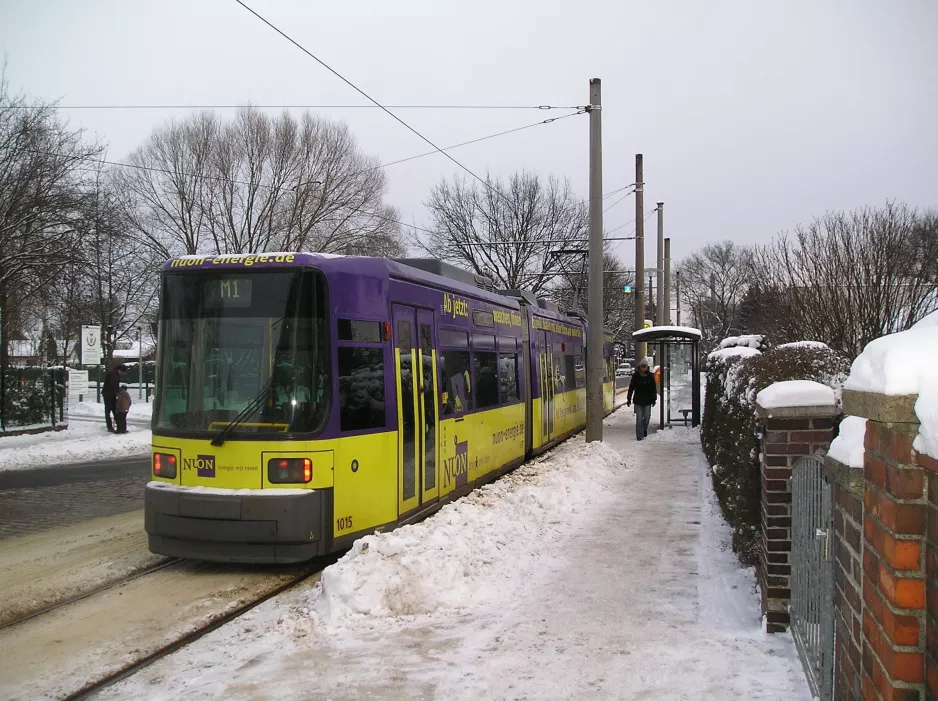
<point x="651" y="603"/>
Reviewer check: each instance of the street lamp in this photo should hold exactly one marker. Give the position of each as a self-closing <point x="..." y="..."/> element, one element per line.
<point x="139" y="363"/>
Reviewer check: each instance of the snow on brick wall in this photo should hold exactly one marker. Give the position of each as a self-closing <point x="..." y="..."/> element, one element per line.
<point x="792" y="393"/>
<point x="904" y="363"/>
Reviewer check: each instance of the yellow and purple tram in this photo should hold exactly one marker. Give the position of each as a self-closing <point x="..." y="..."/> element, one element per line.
<point x="305" y="400"/>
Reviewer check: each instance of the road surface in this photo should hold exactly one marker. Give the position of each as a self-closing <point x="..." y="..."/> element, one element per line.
<point x="36" y="499"/>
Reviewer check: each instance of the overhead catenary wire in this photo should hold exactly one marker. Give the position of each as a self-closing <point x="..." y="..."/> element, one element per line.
<point x="631" y="192"/>
<point x="632" y="221"/>
<point x="366" y="95"/>
<point x="308" y="107"/>
<point x="218" y="178"/>
<point x="537" y="241"/>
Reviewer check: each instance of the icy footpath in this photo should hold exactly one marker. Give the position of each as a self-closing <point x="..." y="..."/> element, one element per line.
<point x="600" y="572"/>
<point x="85" y="440"/>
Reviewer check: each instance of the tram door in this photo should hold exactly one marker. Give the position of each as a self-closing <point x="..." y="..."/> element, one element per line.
<point x="415" y="362"/>
<point x="547" y="385"/>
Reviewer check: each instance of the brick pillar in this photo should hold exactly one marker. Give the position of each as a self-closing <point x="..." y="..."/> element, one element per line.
<point x="895" y="512"/>
<point x="847" y="554"/>
<point x="788" y="433"/>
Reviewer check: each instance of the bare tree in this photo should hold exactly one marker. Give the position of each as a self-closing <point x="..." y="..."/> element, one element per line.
<point x="714" y="281"/>
<point x="111" y="279"/>
<point x="848" y="278"/>
<point x="258" y="183"/>
<point x="618" y="305"/>
<point x="43" y="177"/>
<point x="514" y="232"/>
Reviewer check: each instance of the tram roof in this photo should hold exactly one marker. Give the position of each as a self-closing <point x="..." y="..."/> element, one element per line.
<point x="329" y="262"/>
<point x="667" y="333"/>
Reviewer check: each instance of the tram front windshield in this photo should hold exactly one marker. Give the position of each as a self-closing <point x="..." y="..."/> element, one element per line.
<point x="251" y="346"/>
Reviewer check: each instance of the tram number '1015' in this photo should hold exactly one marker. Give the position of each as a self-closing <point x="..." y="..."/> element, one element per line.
<point x="344" y="523"/>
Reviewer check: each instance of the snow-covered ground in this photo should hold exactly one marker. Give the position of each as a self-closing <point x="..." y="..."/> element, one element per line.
<point x="602" y="571"/>
<point x="86" y="439"/>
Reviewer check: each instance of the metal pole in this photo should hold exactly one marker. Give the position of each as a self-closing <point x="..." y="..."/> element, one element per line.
<point x="3" y="377"/>
<point x="639" y="255"/>
<point x="139" y="363"/>
<point x="651" y="299"/>
<point x="677" y="295"/>
<point x="659" y="315"/>
<point x="594" y="340"/>
<point x="667" y="282"/>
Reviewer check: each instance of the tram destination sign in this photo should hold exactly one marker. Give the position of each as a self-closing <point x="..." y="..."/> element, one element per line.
<point x="228" y="292"/>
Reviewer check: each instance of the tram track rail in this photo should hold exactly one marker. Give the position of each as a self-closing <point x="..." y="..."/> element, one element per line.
<point x="107" y="586"/>
<point x="91" y="688"/>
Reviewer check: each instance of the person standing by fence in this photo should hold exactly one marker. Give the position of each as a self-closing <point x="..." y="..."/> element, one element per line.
<point x="112" y="380"/>
<point x="645" y="393"/>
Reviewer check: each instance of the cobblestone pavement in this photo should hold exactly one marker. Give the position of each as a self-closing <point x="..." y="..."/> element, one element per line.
<point x="33" y="500"/>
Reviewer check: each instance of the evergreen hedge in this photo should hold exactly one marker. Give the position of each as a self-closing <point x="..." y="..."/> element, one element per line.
<point x="729" y="429"/>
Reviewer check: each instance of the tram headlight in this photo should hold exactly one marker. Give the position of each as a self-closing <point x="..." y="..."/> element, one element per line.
<point x="289" y="470"/>
<point x="164" y="465"/>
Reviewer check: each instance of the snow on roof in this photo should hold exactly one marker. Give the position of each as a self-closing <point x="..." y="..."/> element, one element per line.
<point x="904" y="363"/>
<point x="847" y="448"/>
<point x="804" y="344"/>
<point x="796" y="393"/>
<point x="685" y="330"/>
<point x="736" y="352"/>
<point x="753" y="340"/>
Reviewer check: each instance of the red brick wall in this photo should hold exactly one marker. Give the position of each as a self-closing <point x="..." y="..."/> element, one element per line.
<point x="783" y="442"/>
<point x="847" y="552"/>
<point x="931" y="576"/>
<point x="895" y="513"/>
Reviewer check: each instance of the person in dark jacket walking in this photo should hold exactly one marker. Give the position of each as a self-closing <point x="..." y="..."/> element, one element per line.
<point x="644" y="390"/>
<point x="112" y="380"/>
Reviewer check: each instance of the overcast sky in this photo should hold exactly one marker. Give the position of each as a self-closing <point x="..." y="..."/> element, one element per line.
<point x="752" y="115"/>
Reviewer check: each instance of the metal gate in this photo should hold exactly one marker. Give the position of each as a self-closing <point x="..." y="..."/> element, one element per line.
<point x="812" y="609"/>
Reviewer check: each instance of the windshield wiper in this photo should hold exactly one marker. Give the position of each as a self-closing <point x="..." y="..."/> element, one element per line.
<point x="251" y="407"/>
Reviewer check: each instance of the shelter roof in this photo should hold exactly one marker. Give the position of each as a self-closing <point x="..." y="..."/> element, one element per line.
<point x="667" y="333"/>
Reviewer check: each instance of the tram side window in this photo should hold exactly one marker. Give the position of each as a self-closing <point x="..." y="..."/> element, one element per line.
<point x="485" y="365"/>
<point x="580" y="370"/>
<point x="457" y="386"/>
<point x="361" y="388"/>
<point x="569" y="378"/>
<point x="508" y="377"/>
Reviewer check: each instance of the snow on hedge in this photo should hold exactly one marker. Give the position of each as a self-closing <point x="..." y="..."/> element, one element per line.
<point x="904" y="363"/>
<point x="796" y="393"/>
<point x="927" y="320"/>
<point x="472" y="551"/>
<point x="847" y="448"/>
<point x="734" y="352"/>
<point x="804" y="344"/>
<point x="753" y="340"/>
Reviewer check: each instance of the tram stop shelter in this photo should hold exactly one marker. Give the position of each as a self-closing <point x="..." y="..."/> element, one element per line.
<point x="676" y="351"/>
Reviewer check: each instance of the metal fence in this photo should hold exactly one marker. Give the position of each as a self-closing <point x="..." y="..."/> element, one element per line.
<point x="812" y="606"/>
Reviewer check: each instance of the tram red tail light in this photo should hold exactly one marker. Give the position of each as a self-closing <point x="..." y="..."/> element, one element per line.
<point x="289" y="470"/>
<point x="164" y="465"/>
<point x="387" y="330"/>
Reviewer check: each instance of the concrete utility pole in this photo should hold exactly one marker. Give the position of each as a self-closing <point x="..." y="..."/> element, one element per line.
<point x="660" y="313"/>
<point x="651" y="300"/>
<point x="677" y="295"/>
<point x="639" y="255"/>
<point x="594" y="338"/>
<point x="667" y="280"/>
